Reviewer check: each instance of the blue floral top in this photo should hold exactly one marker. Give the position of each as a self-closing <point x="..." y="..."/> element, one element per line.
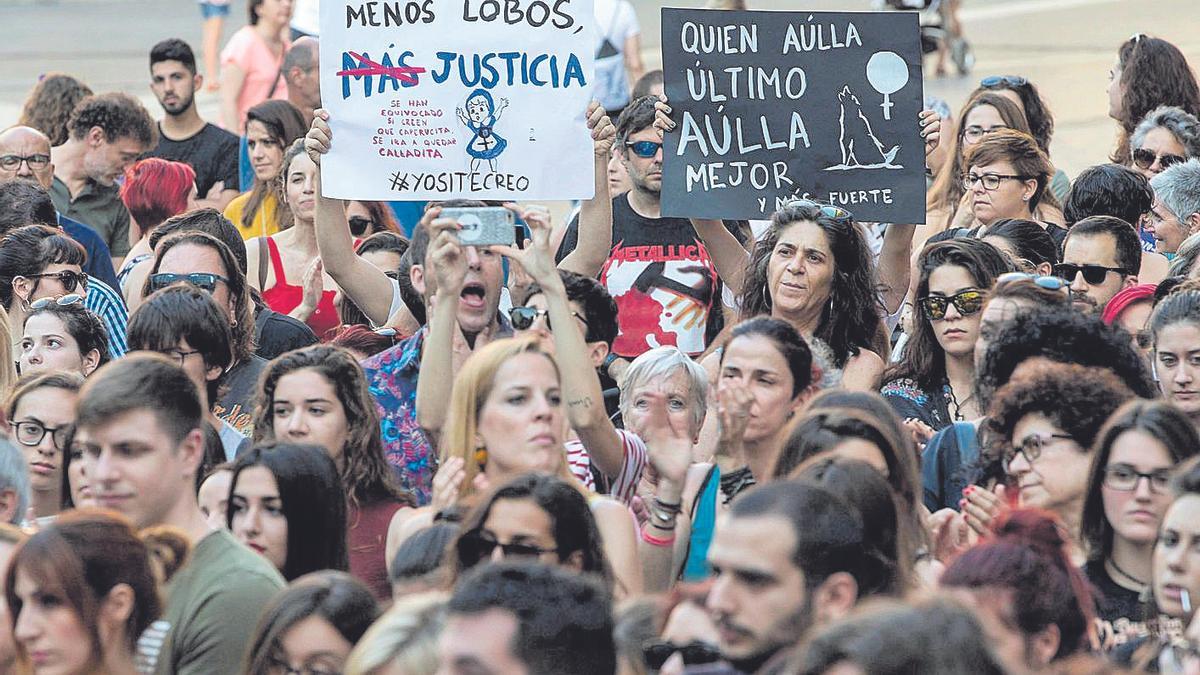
<point x="911" y="401"/>
<point x="392" y="378"/>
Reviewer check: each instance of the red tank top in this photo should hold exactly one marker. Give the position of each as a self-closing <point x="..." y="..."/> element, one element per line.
<point x="284" y="297"/>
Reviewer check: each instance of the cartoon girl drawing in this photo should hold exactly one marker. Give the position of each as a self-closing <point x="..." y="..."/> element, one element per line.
<point x="481" y="117"/>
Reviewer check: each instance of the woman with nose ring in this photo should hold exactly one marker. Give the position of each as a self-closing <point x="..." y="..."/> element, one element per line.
<point x="1175" y="353"/>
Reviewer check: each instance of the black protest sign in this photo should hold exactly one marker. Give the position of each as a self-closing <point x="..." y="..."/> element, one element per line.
<point x="771" y="106"/>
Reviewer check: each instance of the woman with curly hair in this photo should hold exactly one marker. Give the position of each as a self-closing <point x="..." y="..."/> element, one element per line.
<point x="319" y="395"/>
<point x="49" y="105"/>
<point x="1043" y="425"/>
<point x="1150" y="72"/>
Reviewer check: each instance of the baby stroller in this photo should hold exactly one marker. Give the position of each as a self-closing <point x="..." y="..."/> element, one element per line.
<point x="939" y="31"/>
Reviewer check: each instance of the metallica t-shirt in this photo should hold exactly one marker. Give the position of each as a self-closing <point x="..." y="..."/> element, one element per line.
<point x="662" y="279"/>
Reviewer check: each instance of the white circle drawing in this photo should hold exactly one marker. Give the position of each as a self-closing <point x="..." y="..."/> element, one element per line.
<point x="888" y="73"/>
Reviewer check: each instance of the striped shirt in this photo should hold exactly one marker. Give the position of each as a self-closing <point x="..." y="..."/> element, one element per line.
<point x="624" y="484"/>
<point x="110" y="307"/>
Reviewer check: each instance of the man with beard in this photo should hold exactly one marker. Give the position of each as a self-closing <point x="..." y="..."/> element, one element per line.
<point x="789" y="556"/>
<point x="1101" y="256"/>
<point x="183" y="135"/>
<point x="108" y="133"/>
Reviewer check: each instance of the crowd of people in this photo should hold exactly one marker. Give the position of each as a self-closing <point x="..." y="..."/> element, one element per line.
<point x="251" y="429"/>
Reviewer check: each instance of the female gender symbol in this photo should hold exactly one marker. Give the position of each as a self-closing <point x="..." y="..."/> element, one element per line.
<point x="888" y="73"/>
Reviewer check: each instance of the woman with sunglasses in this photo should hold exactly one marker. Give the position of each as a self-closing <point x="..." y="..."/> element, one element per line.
<point x="40" y="411"/>
<point x="934" y="382"/>
<point x="1149" y="73"/>
<point x="534" y="517"/>
<point x="61" y="334"/>
<point x="318" y="395"/>
<point x="1175" y="350"/>
<point x="154" y="190"/>
<point x="1127" y="495"/>
<point x="1167" y="135"/>
<point x="1043" y="424"/>
<point x="38" y="261"/>
<point x="368" y="218"/>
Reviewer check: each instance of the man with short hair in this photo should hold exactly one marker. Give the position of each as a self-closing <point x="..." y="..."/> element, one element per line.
<point x="789" y="556"/>
<point x="300" y="69"/>
<point x="1175" y="215"/>
<point x="183" y="135"/>
<point x="527" y="619"/>
<point x="138" y="428"/>
<point x="1101" y="256"/>
<point x="108" y="133"/>
<point x="1117" y="191"/>
<point x="14" y="484"/>
<point x="25" y="156"/>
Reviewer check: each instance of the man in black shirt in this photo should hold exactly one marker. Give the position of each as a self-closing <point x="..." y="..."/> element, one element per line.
<point x="183" y="135"/>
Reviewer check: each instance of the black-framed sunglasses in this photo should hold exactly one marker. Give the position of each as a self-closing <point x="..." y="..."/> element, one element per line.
<point x="68" y="278"/>
<point x="203" y="280"/>
<point x="827" y="210"/>
<point x="1003" y="81"/>
<point x="360" y="226"/>
<point x="966" y="302"/>
<point x="1144" y="159"/>
<point x="1092" y="274"/>
<point x="523" y="317"/>
<point x="476" y="545"/>
<point x="31" y="432"/>
<point x="13" y="162"/>
<point x="62" y="301"/>
<point x="656" y="652"/>
<point x="644" y="149"/>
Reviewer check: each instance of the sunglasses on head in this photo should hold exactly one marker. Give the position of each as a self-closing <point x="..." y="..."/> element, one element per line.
<point x="966" y="302"/>
<point x="1049" y="283"/>
<point x="69" y="279"/>
<point x="644" y="149"/>
<point x="202" y="280"/>
<point x="1092" y="274"/>
<point x="656" y="653"/>
<point x="1144" y="159"/>
<point x="360" y="226"/>
<point x="827" y="210"/>
<point x="476" y="545"/>
<point x="996" y="81"/>
<point x="63" y="301"/>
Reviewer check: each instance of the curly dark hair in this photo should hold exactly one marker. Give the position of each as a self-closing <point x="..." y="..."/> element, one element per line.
<point x="599" y="308"/>
<point x="49" y="105"/>
<point x="365" y="473"/>
<point x="1063" y="335"/>
<point x="1108" y="190"/>
<point x="118" y="115"/>
<point x="1077" y="399"/>
<point x="924" y="359"/>
<point x="1153" y="73"/>
<point x="853" y="290"/>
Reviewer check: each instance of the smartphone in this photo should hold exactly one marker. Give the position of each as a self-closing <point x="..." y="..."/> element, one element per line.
<point x="484" y="225"/>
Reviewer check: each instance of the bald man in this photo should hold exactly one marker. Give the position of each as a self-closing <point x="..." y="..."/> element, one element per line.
<point x="25" y="155"/>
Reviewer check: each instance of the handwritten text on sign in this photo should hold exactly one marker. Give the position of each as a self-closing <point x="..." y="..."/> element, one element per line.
<point x="434" y="99"/>
<point x="776" y="105"/>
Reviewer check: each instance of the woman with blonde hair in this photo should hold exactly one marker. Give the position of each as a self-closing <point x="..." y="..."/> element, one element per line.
<point x="403" y="640"/>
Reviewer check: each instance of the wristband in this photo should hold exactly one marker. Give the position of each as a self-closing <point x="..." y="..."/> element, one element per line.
<point x="655" y="541"/>
<point x="608" y="361"/>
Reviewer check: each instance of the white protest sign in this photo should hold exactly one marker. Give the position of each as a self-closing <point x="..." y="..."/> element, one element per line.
<point x="437" y="99"/>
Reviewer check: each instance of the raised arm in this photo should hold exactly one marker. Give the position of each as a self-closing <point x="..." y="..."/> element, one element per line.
<point x="449" y="261"/>
<point x="594" y="240"/>
<point x="895" y="258"/>
<point x="366" y="285"/>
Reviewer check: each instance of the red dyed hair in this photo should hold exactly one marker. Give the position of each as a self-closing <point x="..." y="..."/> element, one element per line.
<point x="156" y="189"/>
<point x="362" y="339"/>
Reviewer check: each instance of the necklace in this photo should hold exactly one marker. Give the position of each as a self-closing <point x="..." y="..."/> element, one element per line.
<point x="958" y="416"/>
<point x="1117" y="568"/>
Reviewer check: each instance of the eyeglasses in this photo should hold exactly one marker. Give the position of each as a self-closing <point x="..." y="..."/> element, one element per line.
<point x="13" y="162"/>
<point x="997" y="81"/>
<point x="277" y="665"/>
<point x="991" y="181"/>
<point x="69" y="279"/>
<point x="966" y="302"/>
<point x="179" y="355"/>
<point x="31" y="432"/>
<point x="476" y="545"/>
<point x="1093" y="274"/>
<point x="656" y="652"/>
<point x="827" y="210"/>
<point x="61" y="301"/>
<point x="1144" y="159"/>
<point x="523" y="317"/>
<point x="202" y="280"/>
<point x="1049" y="283"/>
<point x="1031" y="447"/>
<point x="1125" y="478"/>
<point x="975" y="133"/>
<point x="360" y="226"/>
<point x="644" y="149"/>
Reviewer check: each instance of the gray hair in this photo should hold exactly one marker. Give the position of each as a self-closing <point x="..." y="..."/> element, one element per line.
<point x="14" y="475"/>
<point x="1185" y="258"/>
<point x="1183" y="126"/>
<point x="659" y="364"/>
<point x="1178" y="188"/>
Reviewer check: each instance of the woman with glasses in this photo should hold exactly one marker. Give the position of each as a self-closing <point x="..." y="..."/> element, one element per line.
<point x="311" y="626"/>
<point x="1127" y="495"/>
<point x="934" y="382"/>
<point x="1175" y="350"/>
<point x="40" y="411"/>
<point x="154" y="190"/>
<point x="287" y="503"/>
<point x="62" y="335"/>
<point x="1006" y="177"/>
<point x="1166" y="135"/>
<point x="1149" y="73"/>
<point x="1043" y="425"/>
<point x="38" y="261"/>
<point x="533" y="517"/>
<point x="318" y="395"/>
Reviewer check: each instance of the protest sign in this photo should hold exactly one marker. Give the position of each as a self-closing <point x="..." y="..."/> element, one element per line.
<point x="478" y="99"/>
<point x="775" y="105"/>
